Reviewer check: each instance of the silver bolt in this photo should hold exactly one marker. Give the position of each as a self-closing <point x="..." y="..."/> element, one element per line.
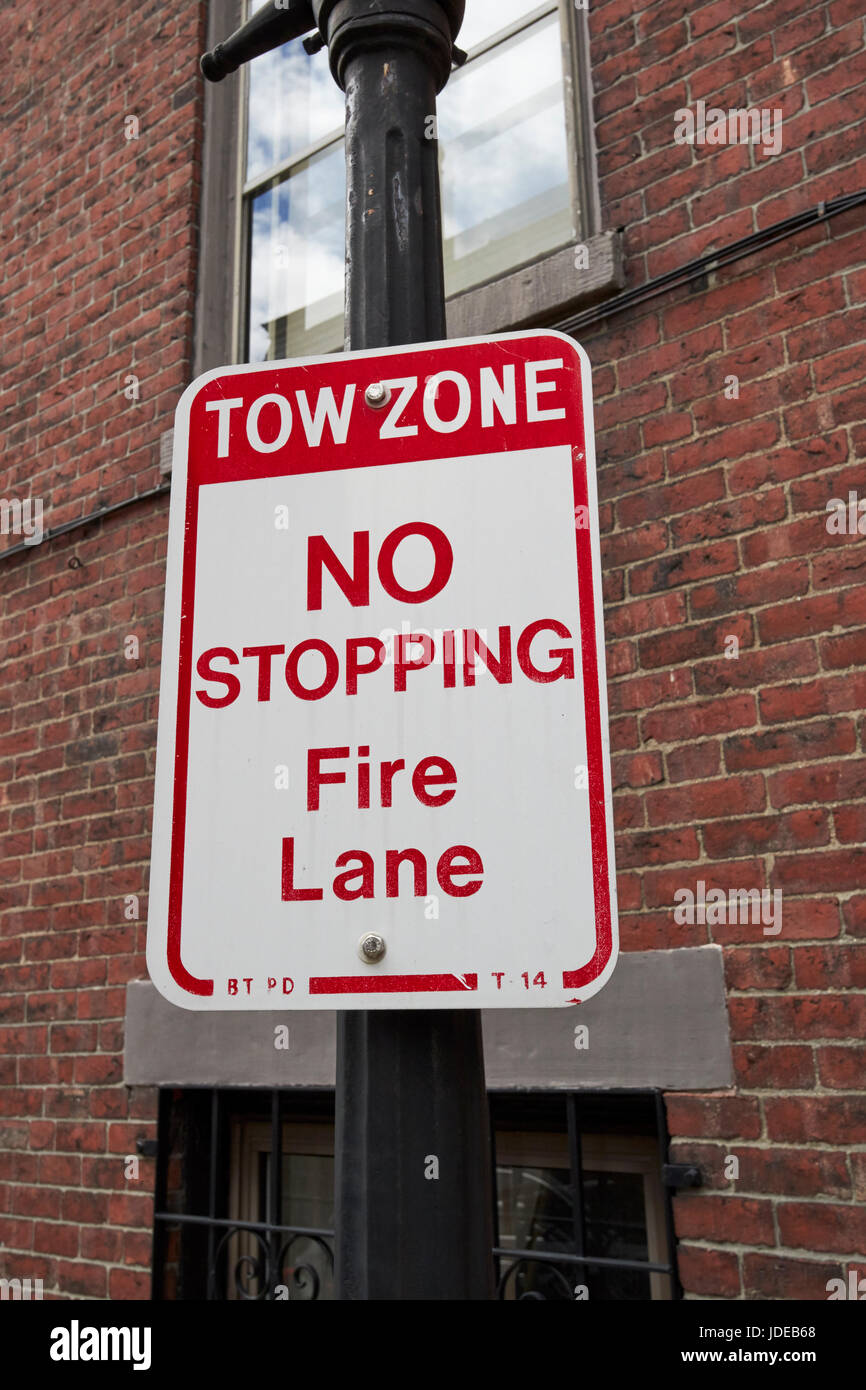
<point x="371" y="947"/>
<point x="377" y="395"/>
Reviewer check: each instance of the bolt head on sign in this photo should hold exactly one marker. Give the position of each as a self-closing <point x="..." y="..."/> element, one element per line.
<point x="382" y="711"/>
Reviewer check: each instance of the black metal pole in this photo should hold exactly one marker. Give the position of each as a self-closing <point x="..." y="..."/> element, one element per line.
<point x="410" y="1085"/>
<point x="413" y="1188"/>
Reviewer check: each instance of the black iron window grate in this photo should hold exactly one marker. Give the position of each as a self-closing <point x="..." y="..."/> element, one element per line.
<point x="568" y="1224"/>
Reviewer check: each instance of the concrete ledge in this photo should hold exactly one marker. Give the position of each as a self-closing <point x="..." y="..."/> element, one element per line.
<point x="539" y="292"/>
<point x="661" y="1021"/>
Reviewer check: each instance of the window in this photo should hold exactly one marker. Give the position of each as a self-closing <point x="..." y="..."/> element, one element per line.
<point x="623" y="1216"/>
<point x="245" y="1198"/>
<point x="513" y="165"/>
<point x="304" y="1200"/>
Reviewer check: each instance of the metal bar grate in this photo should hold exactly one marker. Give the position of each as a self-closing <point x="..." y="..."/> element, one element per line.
<point x="209" y="1235"/>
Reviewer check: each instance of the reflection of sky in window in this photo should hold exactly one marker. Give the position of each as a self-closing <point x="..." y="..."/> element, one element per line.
<point x="297" y="247"/>
<point x="503" y="161"/>
<point x="294" y="101"/>
<point x="502" y="132"/>
<point x="483" y="18"/>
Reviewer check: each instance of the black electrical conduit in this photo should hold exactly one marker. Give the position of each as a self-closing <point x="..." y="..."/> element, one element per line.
<point x="713" y="260"/>
<point x="685" y="274"/>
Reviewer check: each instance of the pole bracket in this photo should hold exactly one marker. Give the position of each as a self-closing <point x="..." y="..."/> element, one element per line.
<point x="681" y="1175"/>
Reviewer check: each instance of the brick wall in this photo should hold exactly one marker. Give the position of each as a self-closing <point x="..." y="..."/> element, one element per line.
<point x="99" y="239"/>
<point x="743" y="771"/>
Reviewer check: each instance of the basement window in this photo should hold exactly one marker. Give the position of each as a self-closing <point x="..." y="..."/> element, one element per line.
<point x="245" y="1197"/>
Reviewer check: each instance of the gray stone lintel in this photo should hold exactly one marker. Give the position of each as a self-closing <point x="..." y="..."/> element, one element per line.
<point x="541" y="292"/>
<point x="660" y="1021"/>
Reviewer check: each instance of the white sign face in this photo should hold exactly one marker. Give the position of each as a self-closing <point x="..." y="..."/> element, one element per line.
<point x="382" y="710"/>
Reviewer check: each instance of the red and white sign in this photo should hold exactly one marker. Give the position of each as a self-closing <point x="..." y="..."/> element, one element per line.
<point x="383" y="702"/>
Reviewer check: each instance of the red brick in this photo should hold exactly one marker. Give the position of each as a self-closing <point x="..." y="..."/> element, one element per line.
<point x="751" y="834"/>
<point x="765" y="1017"/>
<point x="694" y="761"/>
<point x="850" y="823"/>
<point x="100" y="1243"/>
<point x="806" y="616"/>
<point x="627" y="812"/>
<point x="750" y="590"/>
<point x="660" y="847"/>
<point x="842" y="1068"/>
<point x="745" y="752"/>
<point x="35" y="1201"/>
<point x="831" y="967"/>
<point x="81" y="1138"/>
<point x="137" y="1248"/>
<point x="782" y="1277"/>
<point x="858" y="1174"/>
<point x="816" y="1119"/>
<point x="702" y="800"/>
<point x="837" y="653"/>
<point x="823" y="1226"/>
<point x="821" y="696"/>
<point x="637" y="770"/>
<point x="687" y="644"/>
<point x="128" y="1284"/>
<point x="713" y="1273"/>
<point x="854" y="913"/>
<point x="723" y="1219"/>
<point x="815" y="493"/>
<point x="60" y="1169"/>
<point x="834" y="870"/>
<point x="76" y="1279"/>
<point x="626" y="547"/>
<point x="55" y="1239"/>
<point x="810" y="918"/>
<point x="758" y="967"/>
<point x="800" y="537"/>
<point x="774" y="1068"/>
<point x="728" y="1117"/>
<point x="756" y="668"/>
<point x="666" y="500"/>
<point x="733" y="442"/>
<point x="793" y="1172"/>
<point x="643" y="690"/>
<point x="653" y="931"/>
<point x="645" y="615"/>
<point x="685" y="567"/>
<point x="830" y="782"/>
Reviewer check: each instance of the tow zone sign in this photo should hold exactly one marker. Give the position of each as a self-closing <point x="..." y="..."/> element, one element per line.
<point x="382" y="707"/>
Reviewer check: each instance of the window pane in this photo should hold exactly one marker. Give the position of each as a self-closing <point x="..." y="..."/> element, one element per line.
<point x="308" y="1200"/>
<point x="616" y="1227"/>
<point x="484" y="18"/>
<point x="297" y="251"/>
<point x="536" y="1213"/>
<point x="293" y="101"/>
<point x="504" y="159"/>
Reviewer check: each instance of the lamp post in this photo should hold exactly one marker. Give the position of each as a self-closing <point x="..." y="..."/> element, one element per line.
<point x="414" y="1204"/>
